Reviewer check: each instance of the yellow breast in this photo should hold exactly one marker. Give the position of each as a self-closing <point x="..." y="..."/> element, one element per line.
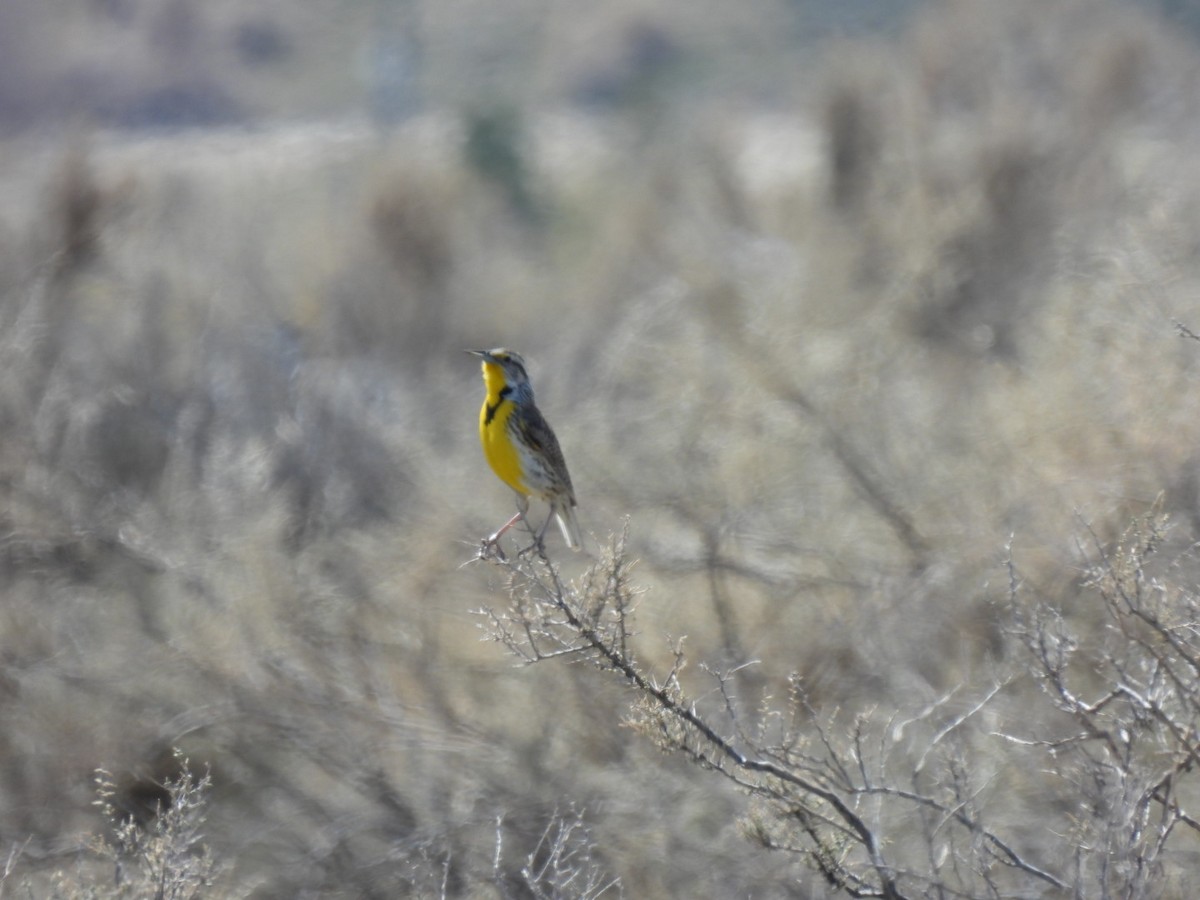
<point x="502" y="454"/>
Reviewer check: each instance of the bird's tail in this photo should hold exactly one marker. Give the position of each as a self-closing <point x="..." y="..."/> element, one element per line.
<point x="570" y="526"/>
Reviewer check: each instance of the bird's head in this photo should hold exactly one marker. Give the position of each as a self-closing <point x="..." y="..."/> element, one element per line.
<point x="503" y="368"/>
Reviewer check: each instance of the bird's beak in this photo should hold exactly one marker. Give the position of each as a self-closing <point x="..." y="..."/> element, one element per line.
<point x="482" y="354"/>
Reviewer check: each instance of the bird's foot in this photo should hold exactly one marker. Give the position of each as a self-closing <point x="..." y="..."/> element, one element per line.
<point x="489" y="548"/>
<point x="537" y="546"/>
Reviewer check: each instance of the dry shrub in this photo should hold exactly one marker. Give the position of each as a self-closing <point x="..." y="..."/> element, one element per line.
<point x="240" y="479"/>
<point x="854" y="120"/>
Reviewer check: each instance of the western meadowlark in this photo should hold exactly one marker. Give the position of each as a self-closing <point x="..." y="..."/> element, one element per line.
<point x="520" y="447"/>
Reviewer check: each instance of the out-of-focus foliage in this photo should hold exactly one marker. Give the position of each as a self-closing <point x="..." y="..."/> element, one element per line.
<point x="166" y="63"/>
<point x="832" y="350"/>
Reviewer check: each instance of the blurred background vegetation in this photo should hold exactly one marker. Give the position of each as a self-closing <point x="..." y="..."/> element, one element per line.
<point x="832" y="301"/>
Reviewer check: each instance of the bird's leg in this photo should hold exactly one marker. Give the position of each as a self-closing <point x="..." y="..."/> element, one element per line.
<point x="542" y="533"/>
<point x="538" y="544"/>
<point x="507" y="525"/>
<point x="491" y="544"/>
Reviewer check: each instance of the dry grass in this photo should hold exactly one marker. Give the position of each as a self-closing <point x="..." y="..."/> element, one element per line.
<point x="240" y="477"/>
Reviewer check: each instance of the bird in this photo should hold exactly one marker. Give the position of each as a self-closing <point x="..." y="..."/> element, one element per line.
<point x="521" y="448"/>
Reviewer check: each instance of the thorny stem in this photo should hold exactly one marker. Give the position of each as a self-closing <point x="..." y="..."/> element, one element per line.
<point x="615" y="656"/>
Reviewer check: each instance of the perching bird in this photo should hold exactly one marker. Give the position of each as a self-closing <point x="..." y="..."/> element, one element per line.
<point x="520" y="447"/>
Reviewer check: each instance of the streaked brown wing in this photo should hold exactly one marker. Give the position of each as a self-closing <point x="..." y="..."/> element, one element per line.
<point x="537" y="434"/>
